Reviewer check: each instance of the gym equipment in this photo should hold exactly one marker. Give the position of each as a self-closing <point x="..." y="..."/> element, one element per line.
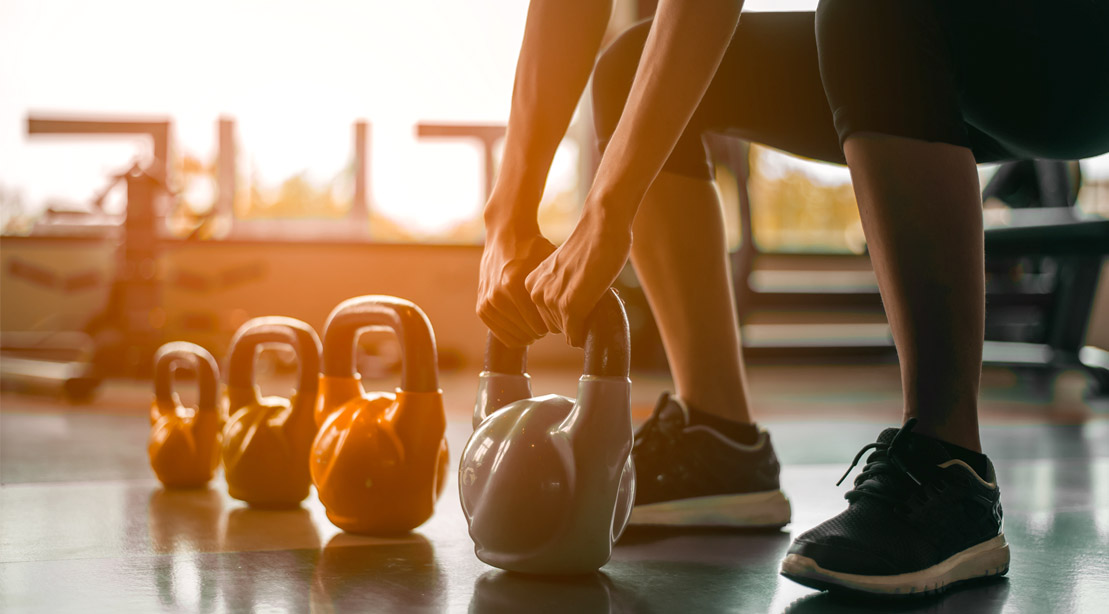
<point x="266" y="440"/>
<point x="55" y="363"/>
<point x="124" y="333"/>
<point x="184" y="445"/>
<point x="547" y="483"/>
<point x="1043" y="265"/>
<point x="379" y="461"/>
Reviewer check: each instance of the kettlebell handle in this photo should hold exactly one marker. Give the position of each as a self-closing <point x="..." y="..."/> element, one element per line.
<point x="419" y="362"/>
<point x="499" y="358"/>
<point x="191" y="357"/>
<point x="282" y="330"/>
<point x="607" y="344"/>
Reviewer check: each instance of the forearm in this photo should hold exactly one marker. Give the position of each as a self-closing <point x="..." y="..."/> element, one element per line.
<point x="681" y="55"/>
<point x="561" y="40"/>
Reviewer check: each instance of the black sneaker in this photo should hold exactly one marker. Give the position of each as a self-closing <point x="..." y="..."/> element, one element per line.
<point x="695" y="476"/>
<point x="918" y="522"/>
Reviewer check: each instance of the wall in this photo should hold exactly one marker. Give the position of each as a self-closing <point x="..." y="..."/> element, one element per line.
<point x="212" y="287"/>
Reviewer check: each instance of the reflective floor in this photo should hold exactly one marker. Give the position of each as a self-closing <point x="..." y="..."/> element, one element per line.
<point x="84" y="526"/>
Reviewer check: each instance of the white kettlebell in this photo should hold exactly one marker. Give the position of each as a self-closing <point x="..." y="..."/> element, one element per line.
<point x="547" y="483"/>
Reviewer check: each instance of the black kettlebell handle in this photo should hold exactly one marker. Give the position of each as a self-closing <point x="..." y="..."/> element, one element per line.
<point x="190" y="357"/>
<point x="419" y="362"/>
<point x="607" y="344"/>
<point x="275" y="329"/>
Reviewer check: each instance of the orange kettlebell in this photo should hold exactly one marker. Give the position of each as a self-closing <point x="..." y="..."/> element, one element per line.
<point x="266" y="440"/>
<point x="379" y="461"/>
<point x="184" y="445"/>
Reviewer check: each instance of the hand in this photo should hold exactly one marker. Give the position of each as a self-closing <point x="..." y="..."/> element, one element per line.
<point x="502" y="301"/>
<point x="568" y="284"/>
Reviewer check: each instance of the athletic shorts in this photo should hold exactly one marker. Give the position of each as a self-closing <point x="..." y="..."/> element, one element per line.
<point x="1008" y="79"/>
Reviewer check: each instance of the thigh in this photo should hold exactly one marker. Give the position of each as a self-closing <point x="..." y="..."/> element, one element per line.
<point x="886" y="68"/>
<point x="768" y="88"/>
<point x="1033" y="76"/>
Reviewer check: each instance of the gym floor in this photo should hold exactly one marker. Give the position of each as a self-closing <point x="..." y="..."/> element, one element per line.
<point x="85" y="526"/>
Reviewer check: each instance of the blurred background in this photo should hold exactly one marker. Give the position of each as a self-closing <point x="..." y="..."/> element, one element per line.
<point x="168" y="171"/>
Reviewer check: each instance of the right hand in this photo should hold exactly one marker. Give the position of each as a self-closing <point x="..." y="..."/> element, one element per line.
<point x="503" y="302"/>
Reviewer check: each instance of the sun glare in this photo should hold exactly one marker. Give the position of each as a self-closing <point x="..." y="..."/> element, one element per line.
<point x="294" y="77"/>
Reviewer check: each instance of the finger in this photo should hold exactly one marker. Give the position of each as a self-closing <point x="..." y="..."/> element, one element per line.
<point x="502" y="327"/>
<point x="508" y="341"/>
<point x="534" y="286"/>
<point x="510" y="313"/>
<point x="549" y="315"/>
<point x="529" y="314"/>
<point x="503" y="334"/>
<point x="531" y="281"/>
<point x="576" y="331"/>
<point x="508" y="337"/>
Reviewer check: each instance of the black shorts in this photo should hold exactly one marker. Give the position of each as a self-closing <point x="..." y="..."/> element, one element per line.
<point x="1008" y="79"/>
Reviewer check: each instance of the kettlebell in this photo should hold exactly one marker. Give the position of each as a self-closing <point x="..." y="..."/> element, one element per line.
<point x="184" y="445"/>
<point x="266" y="440"/>
<point x="547" y="483"/>
<point x="379" y="461"/>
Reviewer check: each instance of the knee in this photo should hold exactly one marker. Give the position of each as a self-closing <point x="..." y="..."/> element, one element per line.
<point x="612" y="79"/>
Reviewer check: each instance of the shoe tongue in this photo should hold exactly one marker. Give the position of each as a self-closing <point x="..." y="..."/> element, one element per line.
<point x="887" y="436"/>
<point x="919" y="454"/>
<point x="927" y="450"/>
<point x="674" y="412"/>
<point x="920" y="448"/>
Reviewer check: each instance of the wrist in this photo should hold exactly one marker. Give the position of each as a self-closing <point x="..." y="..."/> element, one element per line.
<point x="611" y="214"/>
<point x="508" y="222"/>
<point x="512" y="210"/>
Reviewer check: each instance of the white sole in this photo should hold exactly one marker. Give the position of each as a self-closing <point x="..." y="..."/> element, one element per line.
<point x="989" y="558"/>
<point x="759" y="509"/>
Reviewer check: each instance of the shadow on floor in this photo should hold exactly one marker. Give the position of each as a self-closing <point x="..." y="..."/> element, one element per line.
<point x="985" y="596"/>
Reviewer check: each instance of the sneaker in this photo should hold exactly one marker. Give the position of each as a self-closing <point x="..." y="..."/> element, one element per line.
<point x="917" y="523"/>
<point x="695" y="476"/>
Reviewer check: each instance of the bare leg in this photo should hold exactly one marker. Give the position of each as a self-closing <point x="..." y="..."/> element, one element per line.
<point x="680" y="253"/>
<point x="921" y="210"/>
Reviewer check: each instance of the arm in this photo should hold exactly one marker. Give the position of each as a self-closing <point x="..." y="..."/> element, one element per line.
<point x="683" y="50"/>
<point x="561" y="40"/>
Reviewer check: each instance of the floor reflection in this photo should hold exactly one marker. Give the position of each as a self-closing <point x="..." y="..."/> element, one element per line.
<point x="983" y="597"/>
<point x="225" y="560"/>
<point x="503" y="592"/>
<point x="659" y="569"/>
<point x="276" y="581"/>
<point x="121" y="543"/>
<point x="1052" y="507"/>
<point x="400" y="575"/>
<point x="184" y="522"/>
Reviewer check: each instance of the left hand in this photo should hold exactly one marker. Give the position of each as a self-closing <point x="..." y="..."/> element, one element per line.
<point x="568" y="284"/>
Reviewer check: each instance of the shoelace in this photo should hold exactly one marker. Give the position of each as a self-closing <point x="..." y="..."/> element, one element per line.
<point x="886" y="461"/>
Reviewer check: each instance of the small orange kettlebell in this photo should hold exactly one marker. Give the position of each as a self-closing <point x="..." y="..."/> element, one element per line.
<point x="184" y="445"/>
<point x="266" y="440"/>
<point x="379" y="461"/>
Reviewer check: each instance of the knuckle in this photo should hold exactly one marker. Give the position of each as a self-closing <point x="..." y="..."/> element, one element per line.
<point x="499" y="301"/>
<point x="566" y="306"/>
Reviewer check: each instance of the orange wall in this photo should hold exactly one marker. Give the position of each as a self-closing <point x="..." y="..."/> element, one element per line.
<point x="212" y="287"/>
